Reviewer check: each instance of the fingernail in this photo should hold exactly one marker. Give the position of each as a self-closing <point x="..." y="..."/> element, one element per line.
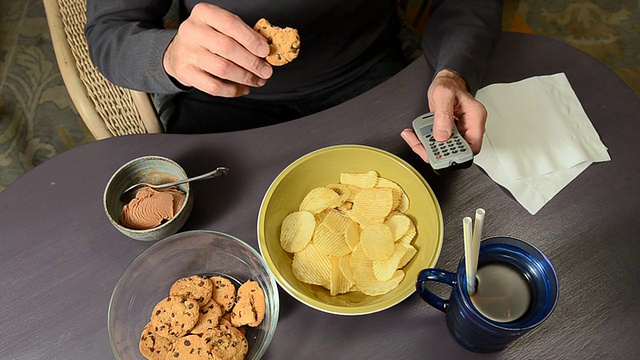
<point x="442" y="132"/>
<point x="266" y="72"/>
<point x="263" y="50"/>
<point x="261" y="82"/>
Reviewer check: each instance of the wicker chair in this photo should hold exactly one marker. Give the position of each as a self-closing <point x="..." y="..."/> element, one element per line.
<point x="106" y="109"/>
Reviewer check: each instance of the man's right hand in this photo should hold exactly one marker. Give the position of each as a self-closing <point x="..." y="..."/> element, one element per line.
<point x="217" y="53"/>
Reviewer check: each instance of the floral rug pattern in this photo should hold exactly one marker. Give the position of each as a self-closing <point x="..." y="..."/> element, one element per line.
<point x="38" y="119"/>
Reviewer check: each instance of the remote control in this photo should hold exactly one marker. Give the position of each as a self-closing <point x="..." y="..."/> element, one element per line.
<point x="452" y="154"/>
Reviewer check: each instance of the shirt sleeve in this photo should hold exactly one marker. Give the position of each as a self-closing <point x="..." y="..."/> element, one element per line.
<point x="461" y="36"/>
<point x="127" y="41"/>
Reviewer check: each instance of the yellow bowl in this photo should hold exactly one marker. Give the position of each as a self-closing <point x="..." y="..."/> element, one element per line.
<point x="323" y="167"/>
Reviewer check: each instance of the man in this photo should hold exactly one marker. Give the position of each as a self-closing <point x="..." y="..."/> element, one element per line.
<point x="214" y="62"/>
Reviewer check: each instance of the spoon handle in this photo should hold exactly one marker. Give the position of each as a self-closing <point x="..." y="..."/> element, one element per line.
<point x="212" y="174"/>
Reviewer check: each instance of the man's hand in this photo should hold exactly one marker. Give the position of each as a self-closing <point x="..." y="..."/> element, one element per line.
<point x="217" y="53"/>
<point x="450" y="100"/>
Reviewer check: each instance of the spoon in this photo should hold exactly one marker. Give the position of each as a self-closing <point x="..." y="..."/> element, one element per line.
<point x="130" y="193"/>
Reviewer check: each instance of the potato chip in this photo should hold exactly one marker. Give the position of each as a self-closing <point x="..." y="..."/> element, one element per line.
<point x="372" y="204"/>
<point x="311" y="267"/>
<point x="384" y="182"/>
<point x="403" y="206"/>
<point x="396" y="190"/>
<point x="329" y="242"/>
<point x="360" y="263"/>
<point x="409" y="235"/>
<point x="408" y="255"/>
<point x="321" y="215"/>
<point x="339" y="284"/>
<point x="345" y="267"/>
<point x="297" y="230"/>
<point x="377" y="241"/>
<point x="336" y="222"/>
<point x="397" y="198"/>
<point x="340" y="189"/>
<point x="352" y="234"/>
<point x="319" y="199"/>
<point x="384" y="269"/>
<point x="361" y="180"/>
<point x="376" y="287"/>
<point x="365" y="279"/>
<point x="399" y="224"/>
<point x="353" y="191"/>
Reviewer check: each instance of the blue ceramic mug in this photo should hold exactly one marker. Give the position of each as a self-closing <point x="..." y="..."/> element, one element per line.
<point x="473" y="328"/>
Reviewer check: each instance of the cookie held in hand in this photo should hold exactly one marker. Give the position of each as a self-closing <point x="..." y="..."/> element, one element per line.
<point x="284" y="43"/>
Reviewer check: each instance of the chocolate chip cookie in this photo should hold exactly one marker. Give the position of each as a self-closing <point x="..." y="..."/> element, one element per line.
<point x="284" y="43"/>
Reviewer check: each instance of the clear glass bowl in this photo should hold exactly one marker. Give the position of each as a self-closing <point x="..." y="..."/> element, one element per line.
<point x="148" y="278"/>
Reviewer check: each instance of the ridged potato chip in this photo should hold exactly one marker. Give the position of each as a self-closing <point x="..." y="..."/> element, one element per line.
<point x="339" y="283"/>
<point x="311" y="266"/>
<point x="377" y="241"/>
<point x="403" y="206"/>
<point x="399" y="224"/>
<point x="365" y="279"/>
<point x="352" y="234"/>
<point x="361" y="180"/>
<point x="376" y="287"/>
<point x="345" y="267"/>
<point x="408" y="255"/>
<point x="384" y="269"/>
<point x="335" y="221"/>
<point x="319" y="199"/>
<point x="372" y="204"/>
<point x="342" y="191"/>
<point x="409" y="235"/>
<point x="297" y="230"/>
<point x="353" y="191"/>
<point x="328" y="242"/>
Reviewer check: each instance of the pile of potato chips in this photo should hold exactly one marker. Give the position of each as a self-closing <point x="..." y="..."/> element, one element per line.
<point x="351" y="236"/>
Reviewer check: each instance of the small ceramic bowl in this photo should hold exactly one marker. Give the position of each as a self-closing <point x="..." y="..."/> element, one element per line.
<point x="154" y="170"/>
<point x="323" y="167"/>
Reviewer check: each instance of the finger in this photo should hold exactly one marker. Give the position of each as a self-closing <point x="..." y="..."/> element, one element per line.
<point x="211" y="85"/>
<point x="232" y="26"/>
<point x="412" y="140"/>
<point x="228" y="48"/>
<point x="474" y="120"/>
<point x="442" y="103"/>
<point x="228" y="70"/>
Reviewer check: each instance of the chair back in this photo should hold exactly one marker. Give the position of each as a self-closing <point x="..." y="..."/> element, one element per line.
<point x="106" y="109"/>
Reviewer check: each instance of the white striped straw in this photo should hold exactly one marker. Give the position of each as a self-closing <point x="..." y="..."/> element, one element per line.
<point x="475" y="246"/>
<point x="467" y="232"/>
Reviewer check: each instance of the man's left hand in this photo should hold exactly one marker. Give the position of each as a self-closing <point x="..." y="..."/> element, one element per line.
<point x="453" y="105"/>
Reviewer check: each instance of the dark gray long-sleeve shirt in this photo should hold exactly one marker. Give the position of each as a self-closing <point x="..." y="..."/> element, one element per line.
<point x="339" y="40"/>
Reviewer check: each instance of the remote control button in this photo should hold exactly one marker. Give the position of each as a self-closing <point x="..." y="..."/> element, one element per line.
<point x="438" y="157"/>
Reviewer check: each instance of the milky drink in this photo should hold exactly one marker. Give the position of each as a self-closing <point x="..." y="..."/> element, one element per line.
<point x="503" y="294"/>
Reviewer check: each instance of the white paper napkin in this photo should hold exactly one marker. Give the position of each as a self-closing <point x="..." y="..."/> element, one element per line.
<point x="538" y="138"/>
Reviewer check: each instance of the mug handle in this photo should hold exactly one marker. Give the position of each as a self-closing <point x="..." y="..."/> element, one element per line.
<point x="432" y="299"/>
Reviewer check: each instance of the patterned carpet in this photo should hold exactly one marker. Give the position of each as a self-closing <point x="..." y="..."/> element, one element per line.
<point x="38" y="120"/>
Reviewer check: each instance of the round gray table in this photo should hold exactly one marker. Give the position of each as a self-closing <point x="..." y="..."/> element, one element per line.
<point x="60" y="257"/>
